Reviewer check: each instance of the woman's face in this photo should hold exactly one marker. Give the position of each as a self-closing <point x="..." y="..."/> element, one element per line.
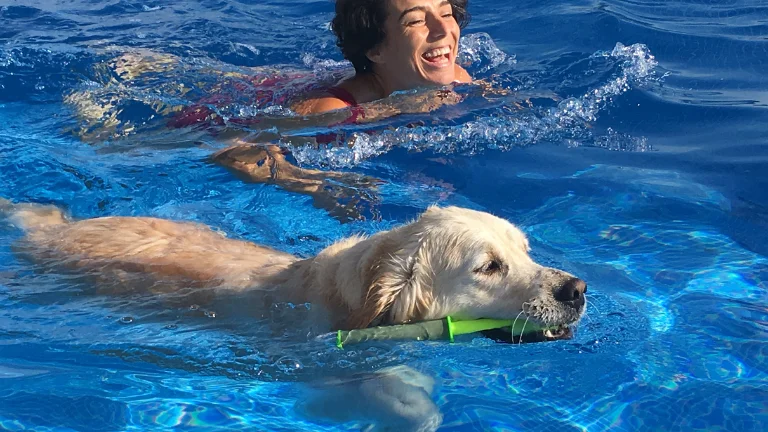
<point x="420" y="47"/>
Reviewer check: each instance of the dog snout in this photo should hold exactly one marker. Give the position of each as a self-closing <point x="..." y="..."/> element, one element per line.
<point x="572" y="292"/>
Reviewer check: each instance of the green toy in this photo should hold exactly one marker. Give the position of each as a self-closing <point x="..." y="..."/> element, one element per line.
<point x="441" y="329"/>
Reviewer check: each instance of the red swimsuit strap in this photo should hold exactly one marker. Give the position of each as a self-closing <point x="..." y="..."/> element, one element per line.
<point x="343" y="95"/>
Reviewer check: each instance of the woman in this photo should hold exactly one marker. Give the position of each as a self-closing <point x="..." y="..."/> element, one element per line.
<point x="394" y="45"/>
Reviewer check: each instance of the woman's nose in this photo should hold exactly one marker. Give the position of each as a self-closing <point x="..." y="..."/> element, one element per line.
<point x="438" y="27"/>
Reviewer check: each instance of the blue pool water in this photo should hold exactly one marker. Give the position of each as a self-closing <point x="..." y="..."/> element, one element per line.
<point x="646" y="175"/>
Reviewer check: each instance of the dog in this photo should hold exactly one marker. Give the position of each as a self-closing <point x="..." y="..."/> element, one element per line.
<point x="449" y="261"/>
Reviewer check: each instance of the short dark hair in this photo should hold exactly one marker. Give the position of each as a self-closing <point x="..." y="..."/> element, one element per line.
<point x="359" y="27"/>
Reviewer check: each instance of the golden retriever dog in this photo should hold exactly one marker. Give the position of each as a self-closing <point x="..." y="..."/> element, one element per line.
<point x="449" y="261"/>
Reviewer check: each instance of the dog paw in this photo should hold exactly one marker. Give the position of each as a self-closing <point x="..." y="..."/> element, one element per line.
<point x="392" y="399"/>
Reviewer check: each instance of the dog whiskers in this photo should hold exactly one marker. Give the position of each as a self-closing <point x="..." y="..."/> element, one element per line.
<point x="515" y="322"/>
<point x="526" y="305"/>
<point x="593" y="305"/>
<point x="520" y="340"/>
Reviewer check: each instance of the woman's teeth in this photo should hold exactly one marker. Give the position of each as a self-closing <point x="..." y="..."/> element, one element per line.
<point x="437" y="52"/>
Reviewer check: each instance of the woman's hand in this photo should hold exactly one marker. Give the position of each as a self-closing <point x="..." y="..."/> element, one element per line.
<point x="346" y="196"/>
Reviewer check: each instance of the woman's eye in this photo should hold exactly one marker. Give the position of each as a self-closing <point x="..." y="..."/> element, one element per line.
<point x="415" y="22"/>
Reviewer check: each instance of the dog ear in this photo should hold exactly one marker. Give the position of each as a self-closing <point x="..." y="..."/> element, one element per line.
<point x="397" y="282"/>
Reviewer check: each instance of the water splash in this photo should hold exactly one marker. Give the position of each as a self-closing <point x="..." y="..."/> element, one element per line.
<point x="615" y="141"/>
<point x="567" y="122"/>
<point x="479" y="50"/>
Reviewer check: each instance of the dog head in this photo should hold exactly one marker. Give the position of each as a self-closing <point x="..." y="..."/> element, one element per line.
<point x="458" y="262"/>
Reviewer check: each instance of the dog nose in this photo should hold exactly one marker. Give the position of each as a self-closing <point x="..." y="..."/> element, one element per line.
<point x="572" y="292"/>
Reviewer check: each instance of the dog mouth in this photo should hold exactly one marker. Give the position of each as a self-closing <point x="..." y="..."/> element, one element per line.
<point x="561" y="332"/>
<point x="554" y="316"/>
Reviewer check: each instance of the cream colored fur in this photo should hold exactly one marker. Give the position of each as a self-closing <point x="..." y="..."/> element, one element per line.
<point x="429" y="268"/>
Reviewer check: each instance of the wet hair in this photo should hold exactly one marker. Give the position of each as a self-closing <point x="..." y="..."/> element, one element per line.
<point x="359" y="27"/>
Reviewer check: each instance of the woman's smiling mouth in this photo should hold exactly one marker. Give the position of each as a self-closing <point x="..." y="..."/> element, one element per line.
<point x="438" y="56"/>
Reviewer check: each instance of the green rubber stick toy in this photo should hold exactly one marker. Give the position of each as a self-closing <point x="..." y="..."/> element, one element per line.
<point x="442" y="329"/>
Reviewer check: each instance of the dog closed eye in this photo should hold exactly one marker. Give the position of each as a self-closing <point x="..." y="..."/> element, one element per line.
<point x="491" y="267"/>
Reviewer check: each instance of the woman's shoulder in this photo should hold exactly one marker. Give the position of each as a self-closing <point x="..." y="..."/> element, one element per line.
<point x="318" y="103"/>
<point x="461" y="74"/>
<point x="341" y="95"/>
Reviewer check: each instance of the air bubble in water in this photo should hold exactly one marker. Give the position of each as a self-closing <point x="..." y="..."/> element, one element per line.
<point x="288" y="365"/>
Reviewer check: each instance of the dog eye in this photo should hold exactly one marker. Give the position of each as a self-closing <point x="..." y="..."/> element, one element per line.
<point x="490" y="267"/>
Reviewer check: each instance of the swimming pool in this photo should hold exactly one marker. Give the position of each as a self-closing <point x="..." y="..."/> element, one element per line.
<point x="647" y="178"/>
